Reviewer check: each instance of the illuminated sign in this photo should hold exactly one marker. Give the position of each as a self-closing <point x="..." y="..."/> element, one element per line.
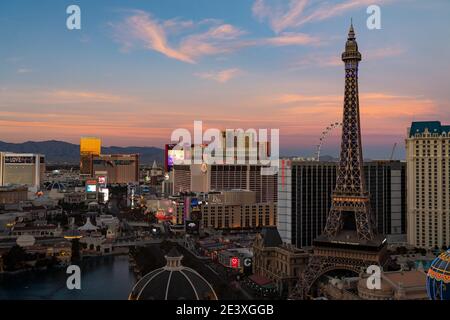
<point x="20" y="159"/>
<point x="102" y="180"/>
<point x="194" y="202"/>
<point x="105" y="192"/>
<point x="162" y="216"/>
<point x="192" y="227"/>
<point x="234" y="262"/>
<point x="91" y="186"/>
<point x="175" y="156"/>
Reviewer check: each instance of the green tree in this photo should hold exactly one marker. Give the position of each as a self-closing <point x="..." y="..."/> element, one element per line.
<point x="15" y="258"/>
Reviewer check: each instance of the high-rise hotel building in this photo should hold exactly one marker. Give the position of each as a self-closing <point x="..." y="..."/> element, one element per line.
<point x="428" y="171"/>
<point x="223" y="177"/>
<point x="22" y="169"/>
<point x="304" y="198"/>
<point x="89" y="147"/>
<point x="116" y="168"/>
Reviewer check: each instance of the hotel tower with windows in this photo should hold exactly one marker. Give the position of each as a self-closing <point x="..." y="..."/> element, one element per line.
<point x="428" y="181"/>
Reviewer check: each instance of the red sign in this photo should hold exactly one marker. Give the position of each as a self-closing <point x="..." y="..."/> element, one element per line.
<point x="234" y="262"/>
<point x="162" y="216"/>
<point x="102" y="180"/>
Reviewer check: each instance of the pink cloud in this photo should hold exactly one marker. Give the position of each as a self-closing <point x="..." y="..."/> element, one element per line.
<point x="380" y="111"/>
<point x="154" y="34"/>
<point x="295" y="13"/>
<point x="290" y="38"/>
<point x="222" y="76"/>
<point x="320" y="60"/>
<point x="278" y="18"/>
<point x="219" y="38"/>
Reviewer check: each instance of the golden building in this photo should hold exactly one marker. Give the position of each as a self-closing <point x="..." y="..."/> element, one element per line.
<point x="89" y="147"/>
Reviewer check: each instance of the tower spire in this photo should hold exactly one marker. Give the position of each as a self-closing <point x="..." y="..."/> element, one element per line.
<point x="351" y="32"/>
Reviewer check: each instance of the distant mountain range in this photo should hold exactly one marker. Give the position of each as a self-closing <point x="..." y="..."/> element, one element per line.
<point x="60" y="152"/>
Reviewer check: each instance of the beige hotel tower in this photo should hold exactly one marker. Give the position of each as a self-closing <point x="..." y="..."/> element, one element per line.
<point x="428" y="184"/>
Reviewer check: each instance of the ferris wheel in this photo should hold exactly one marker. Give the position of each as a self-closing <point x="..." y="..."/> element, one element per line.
<point x="323" y="137"/>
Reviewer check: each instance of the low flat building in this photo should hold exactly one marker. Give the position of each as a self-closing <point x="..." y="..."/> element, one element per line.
<point x="74" y="197"/>
<point x="37" y="231"/>
<point x="11" y="195"/>
<point x="396" y="285"/>
<point x="62" y="251"/>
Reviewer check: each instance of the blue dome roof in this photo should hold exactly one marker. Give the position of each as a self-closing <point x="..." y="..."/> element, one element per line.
<point x="56" y="185"/>
<point x="438" y="278"/>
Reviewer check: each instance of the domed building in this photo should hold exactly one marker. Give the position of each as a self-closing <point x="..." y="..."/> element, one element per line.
<point x="438" y="279"/>
<point x="173" y="282"/>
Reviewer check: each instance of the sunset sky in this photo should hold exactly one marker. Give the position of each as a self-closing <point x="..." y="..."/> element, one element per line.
<point x="139" y="69"/>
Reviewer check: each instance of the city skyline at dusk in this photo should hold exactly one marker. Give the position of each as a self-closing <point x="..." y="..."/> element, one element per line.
<point x="137" y="71"/>
<point x="256" y="155"/>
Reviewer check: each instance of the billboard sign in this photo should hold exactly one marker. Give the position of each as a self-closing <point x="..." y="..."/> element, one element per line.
<point x="102" y="180"/>
<point x="192" y="227"/>
<point x="173" y="157"/>
<point x="234" y="262"/>
<point x="91" y="186"/>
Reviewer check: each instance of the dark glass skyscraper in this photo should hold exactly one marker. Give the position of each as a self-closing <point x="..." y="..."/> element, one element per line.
<point x="302" y="214"/>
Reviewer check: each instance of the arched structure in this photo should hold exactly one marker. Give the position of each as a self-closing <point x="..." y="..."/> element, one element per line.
<point x="323" y="137"/>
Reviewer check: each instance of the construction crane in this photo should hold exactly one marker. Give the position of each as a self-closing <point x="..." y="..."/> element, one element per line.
<point x="393" y="151"/>
<point x="325" y="134"/>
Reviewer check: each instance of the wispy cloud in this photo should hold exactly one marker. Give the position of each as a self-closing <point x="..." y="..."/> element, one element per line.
<point x="323" y="60"/>
<point x="195" y="40"/>
<point x="24" y="70"/>
<point x="291" y="38"/>
<point x="386" y="52"/>
<point x="379" y="109"/>
<point x="326" y="99"/>
<point x="221" y="76"/>
<point x="72" y="96"/>
<point x="283" y="15"/>
<point x="154" y="34"/>
<point x="63" y="96"/>
<point x="280" y="18"/>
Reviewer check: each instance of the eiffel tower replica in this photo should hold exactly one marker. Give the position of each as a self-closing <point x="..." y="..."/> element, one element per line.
<point x="349" y="241"/>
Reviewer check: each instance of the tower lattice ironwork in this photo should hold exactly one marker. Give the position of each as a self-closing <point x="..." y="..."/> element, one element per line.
<point x="350" y="194"/>
<point x="349" y="241"/>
